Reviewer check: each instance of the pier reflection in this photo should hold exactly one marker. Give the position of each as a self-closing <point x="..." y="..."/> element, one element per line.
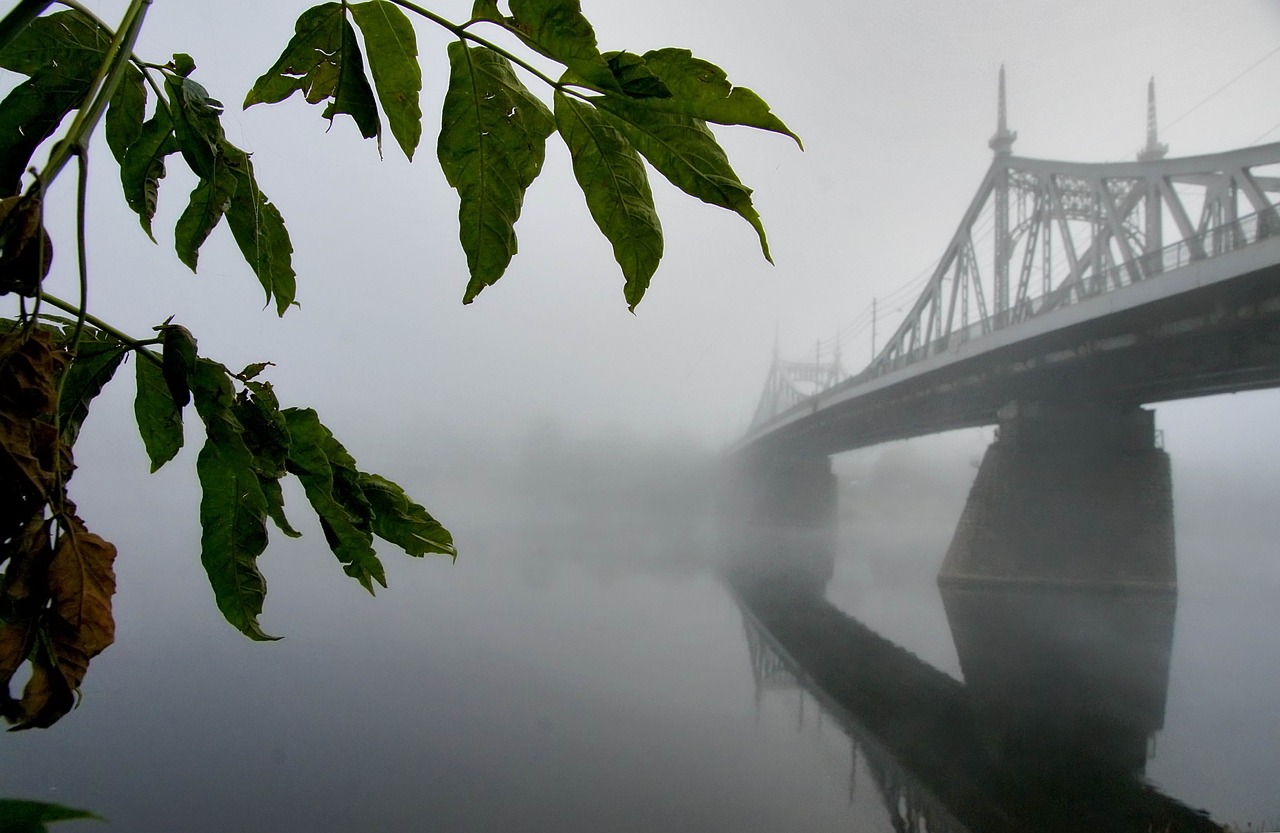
<point x="1064" y="685"/>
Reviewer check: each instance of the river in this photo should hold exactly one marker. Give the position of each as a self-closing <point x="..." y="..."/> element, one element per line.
<point x="589" y="670"/>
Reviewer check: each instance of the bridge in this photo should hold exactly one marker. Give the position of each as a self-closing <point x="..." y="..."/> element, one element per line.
<point x="1069" y="296"/>
<point x="1119" y="283"/>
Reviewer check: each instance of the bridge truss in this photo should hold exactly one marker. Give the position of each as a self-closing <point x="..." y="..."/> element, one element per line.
<point x="1043" y="235"/>
<point x="1062" y="232"/>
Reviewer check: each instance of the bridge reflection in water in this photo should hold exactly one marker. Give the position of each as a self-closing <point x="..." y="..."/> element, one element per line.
<point x="1064" y="681"/>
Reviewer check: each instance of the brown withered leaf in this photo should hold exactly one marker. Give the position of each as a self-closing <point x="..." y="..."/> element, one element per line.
<point x="46" y="697"/>
<point x="28" y="440"/>
<point x="26" y="249"/>
<point x="82" y="581"/>
<point x="23" y="595"/>
<point x="77" y="626"/>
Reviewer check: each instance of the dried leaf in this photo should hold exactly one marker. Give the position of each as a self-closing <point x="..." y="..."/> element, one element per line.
<point x="26" y="250"/>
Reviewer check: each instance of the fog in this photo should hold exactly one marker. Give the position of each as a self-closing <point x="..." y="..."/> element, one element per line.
<point x="580" y="666"/>
<point x="894" y="105"/>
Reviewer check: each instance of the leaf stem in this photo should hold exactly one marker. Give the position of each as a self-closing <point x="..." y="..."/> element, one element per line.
<point x="19" y="18"/>
<point x="138" y="345"/>
<point x="144" y="66"/>
<point x="118" y="55"/>
<point x="464" y="34"/>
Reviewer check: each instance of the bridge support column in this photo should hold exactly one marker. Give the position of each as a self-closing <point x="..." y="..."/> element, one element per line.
<point x="1069" y="495"/>
<point x="778" y="518"/>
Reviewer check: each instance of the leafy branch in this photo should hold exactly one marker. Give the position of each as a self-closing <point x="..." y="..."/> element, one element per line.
<point x="619" y="114"/>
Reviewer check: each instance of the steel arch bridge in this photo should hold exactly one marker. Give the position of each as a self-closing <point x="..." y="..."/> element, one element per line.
<point x="1131" y="282"/>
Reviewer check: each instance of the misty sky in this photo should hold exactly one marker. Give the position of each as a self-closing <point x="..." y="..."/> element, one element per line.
<point x="895" y="103"/>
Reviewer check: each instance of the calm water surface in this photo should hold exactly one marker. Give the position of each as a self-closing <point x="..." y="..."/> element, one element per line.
<point x="567" y="676"/>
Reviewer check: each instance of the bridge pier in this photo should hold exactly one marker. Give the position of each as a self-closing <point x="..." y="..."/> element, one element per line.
<point x="1069" y="495"/>
<point x="778" y="518"/>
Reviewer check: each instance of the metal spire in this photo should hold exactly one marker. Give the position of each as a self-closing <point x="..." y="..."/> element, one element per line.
<point x="1154" y="150"/>
<point x="1002" y="142"/>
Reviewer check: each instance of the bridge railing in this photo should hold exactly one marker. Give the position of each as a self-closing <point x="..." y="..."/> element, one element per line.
<point x="1209" y="243"/>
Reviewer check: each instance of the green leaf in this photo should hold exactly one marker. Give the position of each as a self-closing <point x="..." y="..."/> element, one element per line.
<point x="309" y="63"/>
<point x="702" y="90"/>
<point x="179" y="361"/>
<point x="95" y="362"/>
<point x="275" y="506"/>
<point x="323" y="61"/>
<point x="143" y="166"/>
<point x="491" y="148"/>
<point x="67" y="41"/>
<point x="20" y="816"/>
<point x="266" y="434"/>
<point x="613" y="179"/>
<point x="183" y="64"/>
<point x="195" y="124"/>
<point x="61" y="54"/>
<point x="325" y="470"/>
<point x="233" y="508"/>
<point x="125" y="114"/>
<point x="685" y="151"/>
<point x="208" y="203"/>
<point x="393" y="61"/>
<point x="402" y="522"/>
<point x="260" y="232"/>
<point x="159" y="418"/>
<point x="354" y="96"/>
<point x="29" y="115"/>
<point x="557" y="29"/>
<point x="635" y="77"/>
<point x="486" y="10"/>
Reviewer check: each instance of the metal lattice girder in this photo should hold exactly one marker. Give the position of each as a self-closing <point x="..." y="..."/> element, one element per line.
<point x="1040" y="235"/>
<point x="790" y="383"/>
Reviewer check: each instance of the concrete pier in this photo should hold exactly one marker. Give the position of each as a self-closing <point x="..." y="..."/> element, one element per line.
<point x="778" y="517"/>
<point x="1069" y="495"/>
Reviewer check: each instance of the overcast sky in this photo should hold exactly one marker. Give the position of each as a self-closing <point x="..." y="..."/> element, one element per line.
<point x="895" y="103"/>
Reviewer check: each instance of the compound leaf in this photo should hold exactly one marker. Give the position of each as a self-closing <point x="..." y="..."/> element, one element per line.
<point x="613" y="179"/>
<point x="393" y="62"/>
<point x="491" y="148"/>
<point x="685" y="151"/>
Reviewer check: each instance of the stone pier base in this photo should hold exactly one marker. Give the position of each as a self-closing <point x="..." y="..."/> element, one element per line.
<point x="1069" y="496"/>
<point x="778" y="519"/>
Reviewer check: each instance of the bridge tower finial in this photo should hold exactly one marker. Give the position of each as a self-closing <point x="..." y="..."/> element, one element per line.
<point x="1154" y="149"/>
<point x="1002" y="142"/>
